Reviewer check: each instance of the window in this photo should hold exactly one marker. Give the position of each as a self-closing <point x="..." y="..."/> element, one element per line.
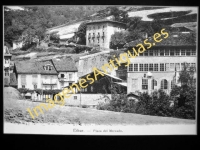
<point x="62" y="84"/>
<point x="6" y="61"/>
<point x="70" y="77"/>
<point x="188" y="52"/>
<point x="172" y="52"/>
<point x="75" y="97"/>
<point x="135" y="67"/>
<point x="91" y="88"/>
<point x="23" y="86"/>
<point x="193" y="52"/>
<point x="150" y="67"/>
<point x="103" y="27"/>
<point x="177" y="52"/>
<point x="146" y="53"/>
<point x="144" y="84"/>
<point x="23" y="79"/>
<point x="52" y="87"/>
<point x="94" y="27"/>
<point x="167" y="67"/>
<point x="177" y="66"/>
<point x="182" y="66"/>
<point x="193" y="65"/>
<point x="182" y="52"/>
<point x="155" y="67"/>
<point x="103" y="37"/>
<point x="162" y="52"/>
<point x="6" y="72"/>
<point x="145" y="67"/>
<point x="34" y="79"/>
<point x="166" y="52"/>
<point x="48" y="67"/>
<point x="172" y="67"/>
<point x="130" y="67"/>
<point x="35" y="86"/>
<point x="153" y="83"/>
<point x="151" y="52"/>
<point x="156" y="52"/>
<point x="62" y="75"/>
<point x="98" y="27"/>
<point x="70" y="84"/>
<point x="162" y="67"/>
<point x="172" y="84"/>
<point x="141" y="54"/>
<point x="141" y="67"/>
<point x="164" y="84"/>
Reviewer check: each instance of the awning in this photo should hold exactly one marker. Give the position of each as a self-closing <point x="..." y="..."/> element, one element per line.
<point x="114" y="77"/>
<point x="121" y="83"/>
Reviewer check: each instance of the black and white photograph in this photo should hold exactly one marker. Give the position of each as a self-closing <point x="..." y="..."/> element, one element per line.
<point x="100" y="69"/>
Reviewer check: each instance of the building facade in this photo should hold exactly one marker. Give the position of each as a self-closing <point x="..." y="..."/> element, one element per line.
<point x="98" y="33"/>
<point x="67" y="72"/>
<point x="7" y="65"/>
<point x="159" y="67"/>
<point x="46" y="75"/>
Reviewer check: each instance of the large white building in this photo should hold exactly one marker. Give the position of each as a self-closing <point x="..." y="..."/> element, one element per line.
<point x="159" y="66"/>
<point x="99" y="32"/>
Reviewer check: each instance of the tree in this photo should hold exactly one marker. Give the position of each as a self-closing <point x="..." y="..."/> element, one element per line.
<point x="185" y="95"/>
<point x="119" y="15"/>
<point x="81" y="33"/>
<point x="118" y="39"/>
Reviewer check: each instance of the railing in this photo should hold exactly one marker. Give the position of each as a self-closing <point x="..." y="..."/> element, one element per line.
<point x="49" y="82"/>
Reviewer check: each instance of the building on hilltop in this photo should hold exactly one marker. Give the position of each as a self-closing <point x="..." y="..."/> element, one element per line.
<point x="159" y="66"/>
<point x="98" y="33"/>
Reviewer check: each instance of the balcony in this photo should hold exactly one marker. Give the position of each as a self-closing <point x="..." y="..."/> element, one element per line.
<point x="66" y="79"/>
<point x="48" y="82"/>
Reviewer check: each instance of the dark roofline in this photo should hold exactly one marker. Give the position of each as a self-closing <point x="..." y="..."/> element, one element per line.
<point x="98" y="21"/>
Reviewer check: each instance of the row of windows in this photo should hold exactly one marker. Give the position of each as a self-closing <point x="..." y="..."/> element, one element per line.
<point x="98" y="37"/>
<point x="172" y="52"/>
<point x="48" y="67"/>
<point x="164" y="84"/>
<point x="35" y="86"/>
<point x="64" y="76"/>
<point x="98" y="27"/>
<point x="159" y="67"/>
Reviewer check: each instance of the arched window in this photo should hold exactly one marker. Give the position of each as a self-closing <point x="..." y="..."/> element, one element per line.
<point x="172" y="84"/>
<point x="153" y="83"/>
<point x="164" y="84"/>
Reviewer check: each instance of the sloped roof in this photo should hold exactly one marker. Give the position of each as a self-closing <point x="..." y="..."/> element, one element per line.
<point x="105" y="20"/>
<point x="34" y="67"/>
<point x="66" y="64"/>
<point x="13" y="80"/>
<point x="181" y="39"/>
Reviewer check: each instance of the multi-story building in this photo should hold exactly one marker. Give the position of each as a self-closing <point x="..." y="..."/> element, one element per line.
<point x="48" y="74"/>
<point x="67" y="71"/>
<point x="99" y="32"/>
<point x="7" y="60"/>
<point x="159" y="66"/>
<point x="36" y="74"/>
